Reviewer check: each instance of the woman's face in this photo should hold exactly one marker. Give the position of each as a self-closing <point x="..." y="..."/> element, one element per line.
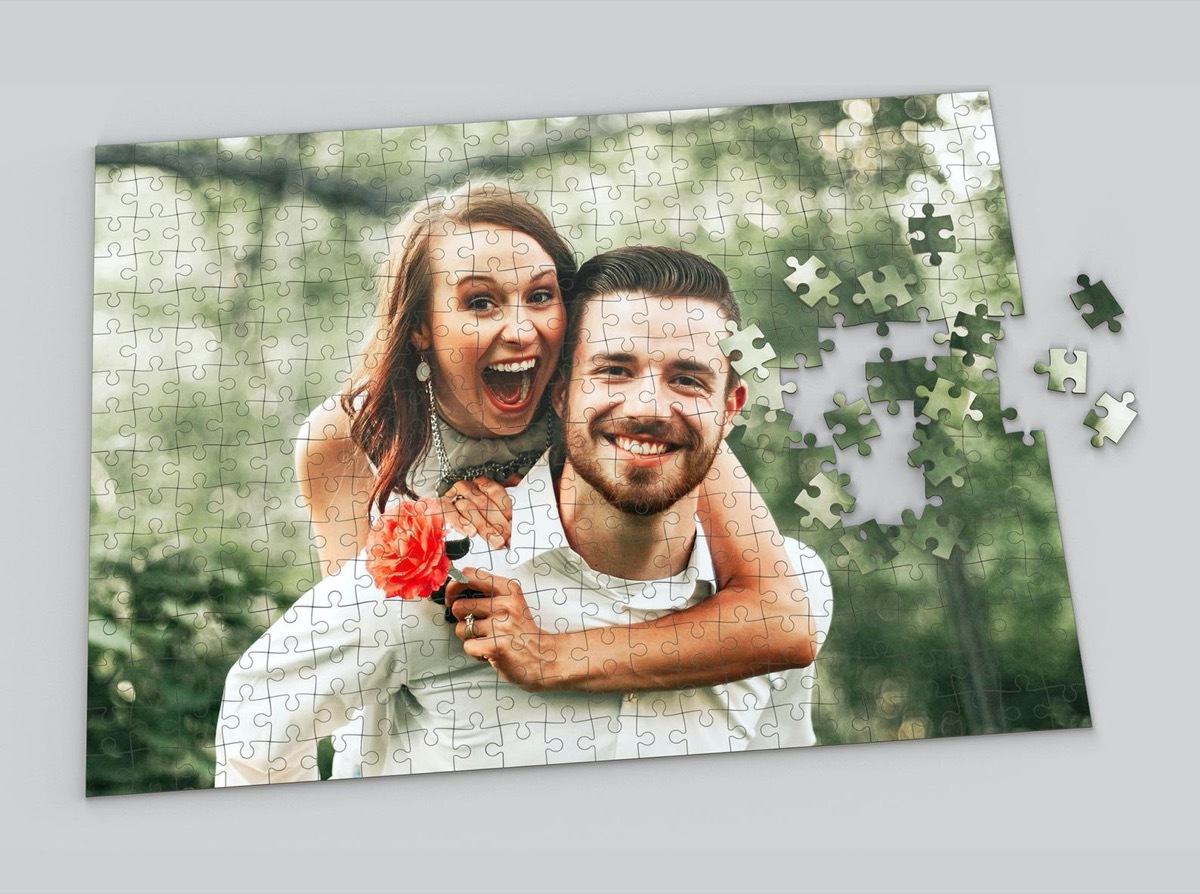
<point x="494" y="329"/>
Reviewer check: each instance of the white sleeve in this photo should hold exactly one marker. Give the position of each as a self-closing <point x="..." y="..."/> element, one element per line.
<point x="338" y="648"/>
<point x="788" y="720"/>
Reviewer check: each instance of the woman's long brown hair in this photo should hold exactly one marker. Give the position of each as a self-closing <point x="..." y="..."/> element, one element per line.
<point x="387" y="406"/>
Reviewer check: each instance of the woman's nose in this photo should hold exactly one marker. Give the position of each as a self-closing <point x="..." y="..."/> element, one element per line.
<point x="518" y="328"/>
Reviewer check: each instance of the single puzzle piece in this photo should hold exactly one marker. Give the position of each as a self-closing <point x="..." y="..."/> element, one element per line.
<point x="1116" y="421"/>
<point x="867" y="547"/>
<point x="1060" y="369"/>
<point x="891" y="285"/>
<point x="939" y="456"/>
<point x="1102" y="306"/>
<point x="812" y="281"/>
<point x="741" y="343"/>
<point x="952" y="400"/>
<point x="973" y="335"/>
<point x="850" y="418"/>
<point x="898" y="379"/>
<point x="821" y="496"/>
<point x="925" y="235"/>
<point x="934" y="526"/>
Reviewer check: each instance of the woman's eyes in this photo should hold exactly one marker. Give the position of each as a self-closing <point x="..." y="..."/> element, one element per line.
<point x="486" y="303"/>
<point x="543" y="296"/>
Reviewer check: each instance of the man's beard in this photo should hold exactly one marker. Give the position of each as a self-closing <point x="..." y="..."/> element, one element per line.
<point x="640" y="491"/>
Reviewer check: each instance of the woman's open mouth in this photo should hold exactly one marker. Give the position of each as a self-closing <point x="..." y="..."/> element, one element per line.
<point x="510" y="384"/>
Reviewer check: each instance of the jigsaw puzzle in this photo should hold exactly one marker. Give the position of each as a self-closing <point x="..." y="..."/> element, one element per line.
<point x="434" y="448"/>
<point x="1060" y="370"/>
<point x="1118" y="416"/>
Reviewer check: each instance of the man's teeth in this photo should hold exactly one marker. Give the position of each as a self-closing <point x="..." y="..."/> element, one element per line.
<point x="641" y="448"/>
<point x="514" y="367"/>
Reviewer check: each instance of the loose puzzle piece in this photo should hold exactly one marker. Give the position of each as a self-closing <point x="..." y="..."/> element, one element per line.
<point x="885" y="289"/>
<point x="849" y="417"/>
<point x="939" y="456"/>
<point x="812" y="281"/>
<point x="925" y="235"/>
<point x="897" y="379"/>
<point x="1101" y="306"/>
<point x="973" y="335"/>
<point x="1115" y="422"/>
<point x="954" y="401"/>
<point x="1059" y="370"/>
<point x="821" y="496"/>
<point x="742" y="351"/>
<point x="935" y="527"/>
<point x="867" y="547"/>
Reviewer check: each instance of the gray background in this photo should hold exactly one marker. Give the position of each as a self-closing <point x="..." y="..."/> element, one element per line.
<point x="1106" y="809"/>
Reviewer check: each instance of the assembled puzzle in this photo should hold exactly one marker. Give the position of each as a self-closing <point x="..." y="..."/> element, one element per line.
<point x="469" y="446"/>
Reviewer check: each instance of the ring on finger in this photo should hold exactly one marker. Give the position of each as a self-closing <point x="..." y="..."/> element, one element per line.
<point x="470" y="619"/>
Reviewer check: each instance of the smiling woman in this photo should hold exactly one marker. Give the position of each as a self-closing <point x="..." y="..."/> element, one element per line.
<point x="451" y="390"/>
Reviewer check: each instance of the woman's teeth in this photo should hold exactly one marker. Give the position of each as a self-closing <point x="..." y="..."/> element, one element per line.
<point x="640" y="448"/>
<point x="514" y="367"/>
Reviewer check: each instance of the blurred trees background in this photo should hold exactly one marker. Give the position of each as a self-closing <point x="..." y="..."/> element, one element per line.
<point x="235" y="282"/>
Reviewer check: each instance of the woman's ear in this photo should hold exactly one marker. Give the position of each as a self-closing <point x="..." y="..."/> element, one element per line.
<point x="421" y="338"/>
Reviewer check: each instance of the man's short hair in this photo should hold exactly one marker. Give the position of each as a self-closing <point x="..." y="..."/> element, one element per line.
<point x="655" y="271"/>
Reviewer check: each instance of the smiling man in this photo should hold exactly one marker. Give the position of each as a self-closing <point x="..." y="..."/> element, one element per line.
<point x="570" y="624"/>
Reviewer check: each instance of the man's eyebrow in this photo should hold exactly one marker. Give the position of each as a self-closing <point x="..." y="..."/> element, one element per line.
<point x="686" y="364"/>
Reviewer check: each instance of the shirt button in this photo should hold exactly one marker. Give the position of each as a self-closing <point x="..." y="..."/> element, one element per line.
<point x="629" y="696"/>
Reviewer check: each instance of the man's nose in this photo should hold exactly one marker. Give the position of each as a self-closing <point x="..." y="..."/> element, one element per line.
<point x="650" y="397"/>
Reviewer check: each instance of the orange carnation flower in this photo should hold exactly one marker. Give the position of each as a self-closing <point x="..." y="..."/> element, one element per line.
<point x="406" y="552"/>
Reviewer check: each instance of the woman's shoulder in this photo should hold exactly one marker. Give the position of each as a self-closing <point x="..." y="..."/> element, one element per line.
<point x="324" y="437"/>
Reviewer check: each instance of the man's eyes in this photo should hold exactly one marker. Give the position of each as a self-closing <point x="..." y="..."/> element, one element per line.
<point x="691" y="383"/>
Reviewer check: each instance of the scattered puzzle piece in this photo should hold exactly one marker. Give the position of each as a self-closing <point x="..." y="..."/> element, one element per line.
<point x="934" y="527"/>
<point x="898" y="379"/>
<point x="850" y="418"/>
<point x="939" y="456"/>
<point x="821" y="496"/>
<point x="868" y="547"/>
<point x="1060" y="369"/>
<point x="1101" y="306"/>
<point x="948" y="400"/>
<point x="972" y="336"/>
<point x="1116" y="421"/>
<point x="884" y="289"/>
<point x="812" y="281"/>
<point x="742" y="351"/>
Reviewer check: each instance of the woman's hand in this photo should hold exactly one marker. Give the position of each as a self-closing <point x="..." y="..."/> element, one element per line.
<point x="480" y="507"/>
<point x="501" y="629"/>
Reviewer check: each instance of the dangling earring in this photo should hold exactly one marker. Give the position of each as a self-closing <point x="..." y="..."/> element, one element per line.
<point x="424" y="373"/>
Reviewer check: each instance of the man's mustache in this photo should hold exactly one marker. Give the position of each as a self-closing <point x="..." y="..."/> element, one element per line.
<point x="656" y="430"/>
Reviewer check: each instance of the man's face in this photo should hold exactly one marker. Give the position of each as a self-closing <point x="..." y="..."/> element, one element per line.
<point x="647" y="403"/>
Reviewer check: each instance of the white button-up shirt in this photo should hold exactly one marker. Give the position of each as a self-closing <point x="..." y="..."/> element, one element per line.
<point x="390" y="680"/>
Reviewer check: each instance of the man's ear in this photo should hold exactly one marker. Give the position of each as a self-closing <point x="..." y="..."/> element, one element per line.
<point x="735" y="399"/>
